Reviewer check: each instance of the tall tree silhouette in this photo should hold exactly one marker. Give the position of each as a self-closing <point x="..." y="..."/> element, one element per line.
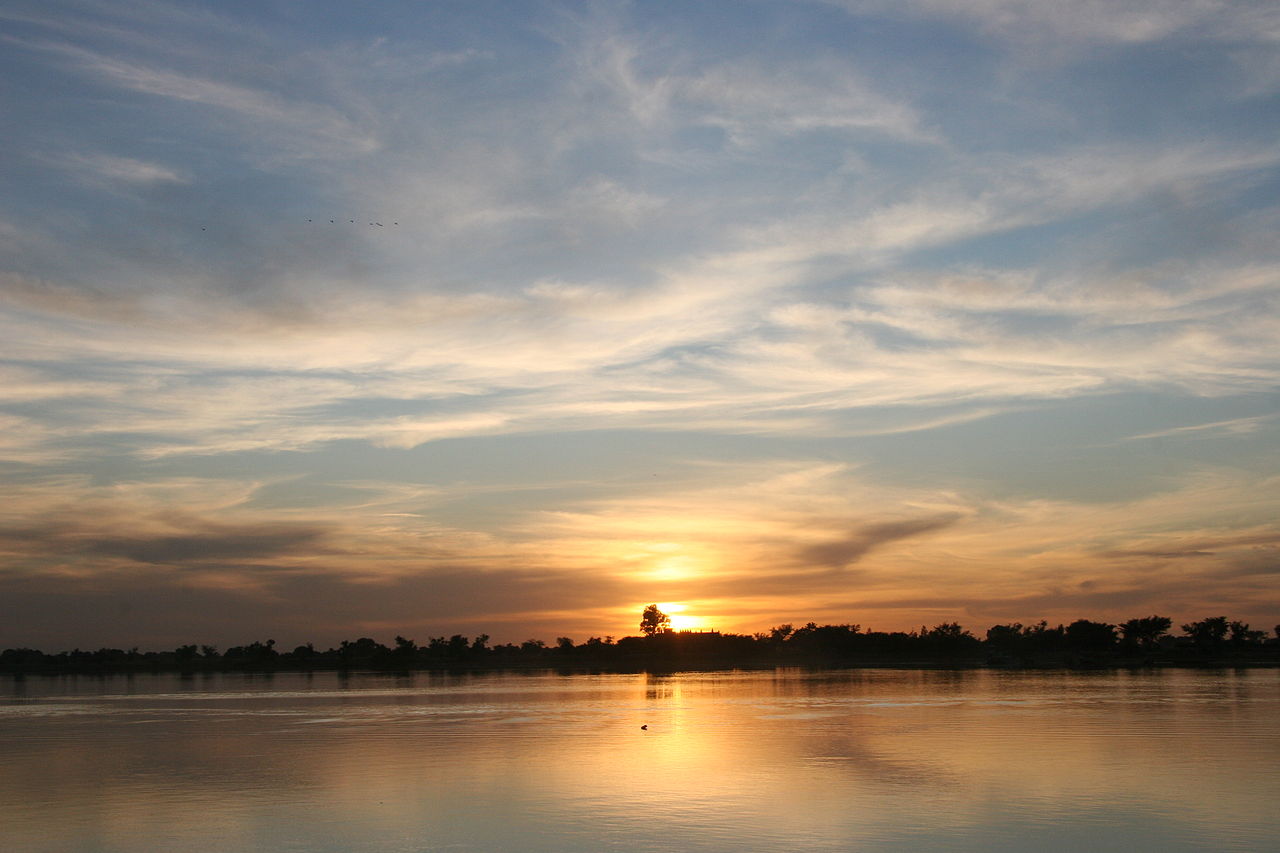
<point x="654" y="621"/>
<point x="1145" y="632"/>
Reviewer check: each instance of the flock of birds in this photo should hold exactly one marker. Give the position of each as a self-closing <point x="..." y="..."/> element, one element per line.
<point x="334" y="222"/>
<point x="353" y="222"/>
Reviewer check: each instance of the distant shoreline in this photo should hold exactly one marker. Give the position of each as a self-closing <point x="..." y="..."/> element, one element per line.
<point x="670" y="652"/>
<point x="1231" y="663"/>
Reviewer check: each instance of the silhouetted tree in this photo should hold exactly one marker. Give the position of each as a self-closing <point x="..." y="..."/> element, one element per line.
<point x="256" y="652"/>
<point x="826" y="641"/>
<point x="1091" y="637"/>
<point x="948" y="638"/>
<point x="1208" y="634"/>
<point x="23" y="658"/>
<point x="1242" y="636"/>
<point x="1145" y="632"/>
<point x="405" y="648"/>
<point x="654" y="621"/>
<point x="1005" y="637"/>
<point x="1042" y="640"/>
<point x="362" y="652"/>
<point x="1081" y="643"/>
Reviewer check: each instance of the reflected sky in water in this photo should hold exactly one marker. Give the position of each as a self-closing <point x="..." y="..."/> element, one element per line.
<point x="787" y="760"/>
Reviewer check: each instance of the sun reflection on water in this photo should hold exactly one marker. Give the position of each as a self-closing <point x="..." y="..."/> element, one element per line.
<point x="777" y="760"/>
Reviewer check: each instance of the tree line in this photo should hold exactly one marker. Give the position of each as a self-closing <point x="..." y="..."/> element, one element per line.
<point x="1139" y="641"/>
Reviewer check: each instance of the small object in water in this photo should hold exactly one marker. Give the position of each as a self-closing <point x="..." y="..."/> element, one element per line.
<point x="646" y="728"/>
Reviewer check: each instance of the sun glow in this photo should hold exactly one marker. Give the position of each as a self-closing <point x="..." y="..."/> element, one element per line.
<point x="680" y="620"/>
<point x="673" y="568"/>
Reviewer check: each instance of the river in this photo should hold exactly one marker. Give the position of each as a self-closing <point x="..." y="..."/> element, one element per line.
<point x="785" y="760"/>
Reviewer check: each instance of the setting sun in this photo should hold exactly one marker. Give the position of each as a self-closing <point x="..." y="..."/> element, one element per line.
<point x="680" y="619"/>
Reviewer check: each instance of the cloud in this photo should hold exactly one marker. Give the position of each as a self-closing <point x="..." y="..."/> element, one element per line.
<point x="302" y="127"/>
<point x="234" y="543"/>
<point x="753" y="103"/>
<point x="1216" y="429"/>
<point x="718" y="345"/>
<point x="739" y="544"/>
<point x="654" y="85"/>
<point x="1107" y="21"/>
<point x="1176" y="548"/>
<point x="601" y="197"/>
<point x="844" y="552"/>
<point x="118" y="609"/>
<point x="105" y="169"/>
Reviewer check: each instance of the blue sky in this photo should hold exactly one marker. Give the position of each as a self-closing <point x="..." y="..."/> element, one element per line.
<point x="325" y="319"/>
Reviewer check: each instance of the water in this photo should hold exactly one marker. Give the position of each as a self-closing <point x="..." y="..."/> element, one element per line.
<point x="779" y="761"/>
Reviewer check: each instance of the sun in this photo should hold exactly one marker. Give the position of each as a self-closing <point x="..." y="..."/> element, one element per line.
<point x="680" y="620"/>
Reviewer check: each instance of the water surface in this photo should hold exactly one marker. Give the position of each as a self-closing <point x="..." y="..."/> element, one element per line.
<point x="786" y="760"/>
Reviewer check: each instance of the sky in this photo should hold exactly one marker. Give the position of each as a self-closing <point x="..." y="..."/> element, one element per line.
<point x="322" y="320"/>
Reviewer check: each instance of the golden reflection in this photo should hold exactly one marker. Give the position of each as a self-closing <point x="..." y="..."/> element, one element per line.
<point x="738" y="760"/>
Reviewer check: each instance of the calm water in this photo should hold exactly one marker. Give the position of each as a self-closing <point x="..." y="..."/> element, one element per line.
<point x="777" y="761"/>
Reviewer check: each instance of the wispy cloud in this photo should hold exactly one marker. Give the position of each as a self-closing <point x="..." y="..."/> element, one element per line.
<point x="852" y="548"/>
<point x="742" y="540"/>
<point x="1235" y="426"/>
<point x="1126" y="21"/>
<point x="315" y="128"/>
<point x="105" y="169"/>
<point x="752" y="103"/>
